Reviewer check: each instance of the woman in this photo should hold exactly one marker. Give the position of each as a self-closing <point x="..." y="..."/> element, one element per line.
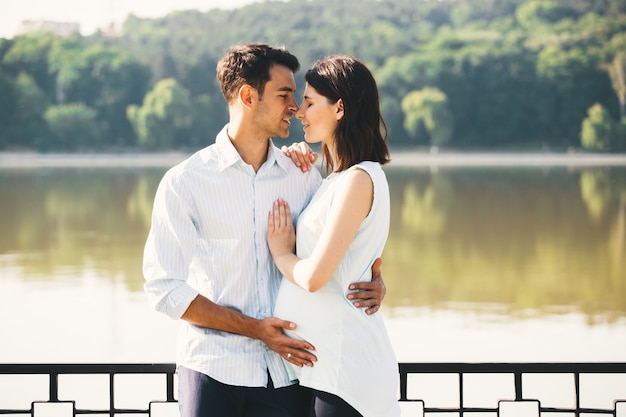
<point x="339" y="235"/>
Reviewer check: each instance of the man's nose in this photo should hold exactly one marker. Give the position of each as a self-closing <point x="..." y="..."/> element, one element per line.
<point x="293" y="106"/>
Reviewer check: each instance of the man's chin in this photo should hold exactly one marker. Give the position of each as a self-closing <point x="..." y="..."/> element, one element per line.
<point x="284" y="134"/>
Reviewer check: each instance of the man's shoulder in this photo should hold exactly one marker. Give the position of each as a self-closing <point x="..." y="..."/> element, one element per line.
<point x="286" y="163"/>
<point x="200" y="159"/>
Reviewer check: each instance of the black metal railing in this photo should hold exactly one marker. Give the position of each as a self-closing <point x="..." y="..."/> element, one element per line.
<point x="461" y="378"/>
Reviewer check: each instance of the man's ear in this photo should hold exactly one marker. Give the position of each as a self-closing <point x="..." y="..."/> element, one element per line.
<point x="339" y="109"/>
<point x="247" y="95"/>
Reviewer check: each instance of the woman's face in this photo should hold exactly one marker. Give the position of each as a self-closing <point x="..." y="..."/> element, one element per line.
<point x="319" y="118"/>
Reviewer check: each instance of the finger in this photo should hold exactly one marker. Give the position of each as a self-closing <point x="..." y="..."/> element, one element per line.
<point x="285" y="214"/>
<point x="277" y="219"/>
<point x="281" y="211"/>
<point x="363" y="286"/>
<point x="285" y="150"/>
<point x="362" y="303"/>
<point x="276" y="213"/>
<point x="288" y="218"/>
<point x="294" y="153"/>
<point x="295" y="344"/>
<point x="376" y="274"/>
<point x="372" y="310"/>
<point x="376" y="266"/>
<point x="301" y="152"/>
<point x="305" y="156"/>
<point x="301" y="358"/>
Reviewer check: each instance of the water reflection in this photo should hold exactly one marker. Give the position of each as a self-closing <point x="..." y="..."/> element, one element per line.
<point x="521" y="238"/>
<point x="516" y="239"/>
<point x="58" y="222"/>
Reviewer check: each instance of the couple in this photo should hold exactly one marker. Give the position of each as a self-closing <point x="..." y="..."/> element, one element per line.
<point x="214" y="258"/>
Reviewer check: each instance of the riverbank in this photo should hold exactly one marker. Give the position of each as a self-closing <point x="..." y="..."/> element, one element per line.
<point x="399" y="158"/>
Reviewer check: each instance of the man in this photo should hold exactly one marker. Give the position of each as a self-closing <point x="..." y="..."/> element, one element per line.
<point x="206" y="259"/>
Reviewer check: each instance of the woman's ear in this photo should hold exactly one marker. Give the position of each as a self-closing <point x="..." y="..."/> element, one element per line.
<point x="339" y="109"/>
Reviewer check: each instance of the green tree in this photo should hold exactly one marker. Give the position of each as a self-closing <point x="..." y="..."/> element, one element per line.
<point x="428" y="107"/>
<point x="29" y="124"/>
<point x="72" y="127"/>
<point x="535" y="12"/>
<point x="104" y="78"/>
<point x="30" y="54"/>
<point x="597" y="129"/>
<point x="165" y="116"/>
<point x="8" y="109"/>
<point x="617" y="72"/>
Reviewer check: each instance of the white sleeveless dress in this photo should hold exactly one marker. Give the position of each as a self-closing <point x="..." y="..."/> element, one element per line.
<point x="355" y="358"/>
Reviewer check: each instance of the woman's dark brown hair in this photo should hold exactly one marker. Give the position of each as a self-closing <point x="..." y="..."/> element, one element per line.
<point x="361" y="134"/>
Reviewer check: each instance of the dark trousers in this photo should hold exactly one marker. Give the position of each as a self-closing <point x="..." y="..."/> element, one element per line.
<point x="324" y="404"/>
<point x="202" y="396"/>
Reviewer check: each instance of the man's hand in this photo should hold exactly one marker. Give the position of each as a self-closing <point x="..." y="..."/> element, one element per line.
<point x="295" y="351"/>
<point x="301" y="155"/>
<point x="369" y="294"/>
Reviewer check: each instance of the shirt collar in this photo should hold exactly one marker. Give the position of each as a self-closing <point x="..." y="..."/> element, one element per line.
<point x="228" y="155"/>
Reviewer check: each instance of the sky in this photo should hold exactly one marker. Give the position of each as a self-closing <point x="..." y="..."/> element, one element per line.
<point x="97" y="14"/>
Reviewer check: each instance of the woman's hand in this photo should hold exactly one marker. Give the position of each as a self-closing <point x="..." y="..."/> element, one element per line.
<point x="281" y="235"/>
<point x="301" y="155"/>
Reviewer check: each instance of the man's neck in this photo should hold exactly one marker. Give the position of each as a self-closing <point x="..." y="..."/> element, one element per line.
<point x="251" y="148"/>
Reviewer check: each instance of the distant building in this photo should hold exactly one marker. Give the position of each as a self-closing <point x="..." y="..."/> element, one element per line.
<point x="64" y="29"/>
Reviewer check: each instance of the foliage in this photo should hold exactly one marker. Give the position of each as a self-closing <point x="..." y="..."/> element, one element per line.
<point x="597" y="129"/>
<point x="163" y="117"/>
<point x="8" y="111"/>
<point x="72" y="127"/>
<point x="31" y="104"/>
<point x="537" y="12"/>
<point x="515" y="73"/>
<point x="428" y="108"/>
<point x="617" y="72"/>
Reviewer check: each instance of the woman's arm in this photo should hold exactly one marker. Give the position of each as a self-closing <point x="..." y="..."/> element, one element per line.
<point x="351" y="206"/>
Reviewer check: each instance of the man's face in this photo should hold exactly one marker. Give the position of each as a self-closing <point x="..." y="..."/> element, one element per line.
<point x="277" y="105"/>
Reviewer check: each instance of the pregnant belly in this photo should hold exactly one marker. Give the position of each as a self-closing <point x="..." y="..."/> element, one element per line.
<point x="314" y="314"/>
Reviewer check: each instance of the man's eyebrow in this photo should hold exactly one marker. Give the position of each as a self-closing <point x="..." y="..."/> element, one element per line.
<point x="286" y="88"/>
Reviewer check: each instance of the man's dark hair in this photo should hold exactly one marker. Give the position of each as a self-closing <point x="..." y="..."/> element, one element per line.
<point x="250" y="64"/>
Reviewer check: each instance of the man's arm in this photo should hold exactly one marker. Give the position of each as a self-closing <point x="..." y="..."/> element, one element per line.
<point x="369" y="294"/>
<point x="205" y="313"/>
<point x="167" y="252"/>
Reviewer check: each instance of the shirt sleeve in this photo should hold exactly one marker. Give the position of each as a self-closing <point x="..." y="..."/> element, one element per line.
<point x="169" y="249"/>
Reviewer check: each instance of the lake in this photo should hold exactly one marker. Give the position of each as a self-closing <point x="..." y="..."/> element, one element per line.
<point x="490" y="258"/>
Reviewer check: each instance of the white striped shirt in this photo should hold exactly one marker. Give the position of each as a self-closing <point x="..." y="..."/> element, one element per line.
<point x="208" y="236"/>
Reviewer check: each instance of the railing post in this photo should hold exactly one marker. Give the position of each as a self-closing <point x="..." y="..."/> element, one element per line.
<point x="518" y="386"/>
<point x="54" y="387"/>
<point x="111" y="394"/>
<point x="170" y="387"/>
<point x="577" y="391"/>
<point x="461" y="406"/>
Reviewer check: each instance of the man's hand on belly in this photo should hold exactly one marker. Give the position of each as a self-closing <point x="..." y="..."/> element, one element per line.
<point x="270" y="332"/>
